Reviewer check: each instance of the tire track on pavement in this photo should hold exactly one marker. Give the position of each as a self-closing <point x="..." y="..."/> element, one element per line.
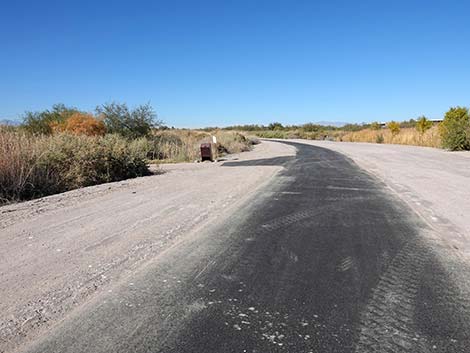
<point x="387" y="323"/>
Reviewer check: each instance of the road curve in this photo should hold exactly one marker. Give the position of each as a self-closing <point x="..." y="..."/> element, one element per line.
<point x="323" y="260"/>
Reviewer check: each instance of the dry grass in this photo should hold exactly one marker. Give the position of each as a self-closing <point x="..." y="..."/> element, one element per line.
<point x="176" y="145"/>
<point x="33" y="166"/>
<point x="38" y="165"/>
<point x="183" y="145"/>
<point x="17" y="156"/>
<point x="406" y="136"/>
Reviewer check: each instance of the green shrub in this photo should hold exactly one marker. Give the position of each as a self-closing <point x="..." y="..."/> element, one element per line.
<point x="379" y="138"/>
<point x="394" y="127"/>
<point x="276" y="134"/>
<point x="423" y="124"/>
<point x="275" y="126"/>
<point x="455" y="129"/>
<point x="43" y="122"/>
<point x="375" y="125"/>
<point x="130" y="123"/>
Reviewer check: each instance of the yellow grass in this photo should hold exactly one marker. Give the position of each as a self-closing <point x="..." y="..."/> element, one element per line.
<point x="183" y="145"/>
<point x="406" y="136"/>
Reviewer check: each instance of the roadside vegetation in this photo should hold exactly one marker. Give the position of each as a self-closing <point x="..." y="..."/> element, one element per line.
<point x="452" y="132"/>
<point x="64" y="148"/>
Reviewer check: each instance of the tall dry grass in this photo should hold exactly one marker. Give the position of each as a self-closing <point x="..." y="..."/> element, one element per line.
<point x="406" y="136"/>
<point x="18" y="154"/>
<point x="183" y="145"/>
<point x="38" y="165"/>
<point x="33" y="166"/>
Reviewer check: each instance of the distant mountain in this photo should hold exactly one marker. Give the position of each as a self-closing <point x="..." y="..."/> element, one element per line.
<point x="331" y="123"/>
<point x="9" y="122"/>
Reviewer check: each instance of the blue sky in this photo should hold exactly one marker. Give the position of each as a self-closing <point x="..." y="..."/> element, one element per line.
<point x="204" y="63"/>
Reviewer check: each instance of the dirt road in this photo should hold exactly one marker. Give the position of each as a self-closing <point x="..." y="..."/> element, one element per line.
<point x="296" y="253"/>
<point x="58" y="252"/>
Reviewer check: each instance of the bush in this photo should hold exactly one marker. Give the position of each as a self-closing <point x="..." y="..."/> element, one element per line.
<point x="275" y="126"/>
<point x="135" y="123"/>
<point x="43" y="122"/>
<point x="423" y="124"/>
<point x="232" y="142"/>
<point x="455" y="129"/>
<point x="80" y="124"/>
<point x="379" y="138"/>
<point x="34" y="166"/>
<point x="375" y="126"/>
<point x="275" y="134"/>
<point x="394" y="127"/>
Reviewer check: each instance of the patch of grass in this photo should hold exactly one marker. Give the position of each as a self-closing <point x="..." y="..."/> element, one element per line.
<point x="406" y="136"/>
<point x="181" y="145"/>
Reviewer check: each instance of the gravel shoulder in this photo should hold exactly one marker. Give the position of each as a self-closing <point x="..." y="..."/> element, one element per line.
<point x="433" y="182"/>
<point x="60" y="251"/>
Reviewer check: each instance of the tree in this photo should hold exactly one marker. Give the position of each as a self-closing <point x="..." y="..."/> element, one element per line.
<point x="310" y="127"/>
<point x="423" y="124"/>
<point x="394" y="127"/>
<point x="43" y="122"/>
<point x="130" y="123"/>
<point x="353" y="127"/>
<point x="375" y="125"/>
<point x="275" y="126"/>
<point x="455" y="129"/>
<point x="408" y="123"/>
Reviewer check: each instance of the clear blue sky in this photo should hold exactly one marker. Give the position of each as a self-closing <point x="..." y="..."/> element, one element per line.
<point x="222" y="62"/>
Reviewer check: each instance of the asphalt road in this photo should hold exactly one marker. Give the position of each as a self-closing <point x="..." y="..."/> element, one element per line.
<point x="323" y="260"/>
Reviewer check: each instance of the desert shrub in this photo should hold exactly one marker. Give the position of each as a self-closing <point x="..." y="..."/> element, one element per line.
<point x="423" y="124"/>
<point x="375" y="125"/>
<point x="130" y="123"/>
<point x="232" y="142"/>
<point x="277" y="134"/>
<point x="310" y="127"/>
<point x="81" y="124"/>
<point x="33" y="166"/>
<point x="408" y="123"/>
<point x="455" y="129"/>
<point x="379" y="138"/>
<point x="44" y="121"/>
<point x="394" y="127"/>
<point x="353" y="127"/>
<point x="275" y="126"/>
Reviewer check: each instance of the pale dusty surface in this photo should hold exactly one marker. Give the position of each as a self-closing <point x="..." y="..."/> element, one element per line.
<point x="60" y="251"/>
<point x="434" y="182"/>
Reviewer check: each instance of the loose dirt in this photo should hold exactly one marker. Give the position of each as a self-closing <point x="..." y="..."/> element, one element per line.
<point x="60" y="251"/>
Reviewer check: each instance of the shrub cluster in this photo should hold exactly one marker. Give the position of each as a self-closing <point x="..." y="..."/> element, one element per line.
<point x="34" y="166"/>
<point x="455" y="129"/>
<point x="80" y="124"/>
<point x="113" y="118"/>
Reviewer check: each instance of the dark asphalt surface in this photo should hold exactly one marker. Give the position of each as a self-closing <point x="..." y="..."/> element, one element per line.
<point x="324" y="260"/>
